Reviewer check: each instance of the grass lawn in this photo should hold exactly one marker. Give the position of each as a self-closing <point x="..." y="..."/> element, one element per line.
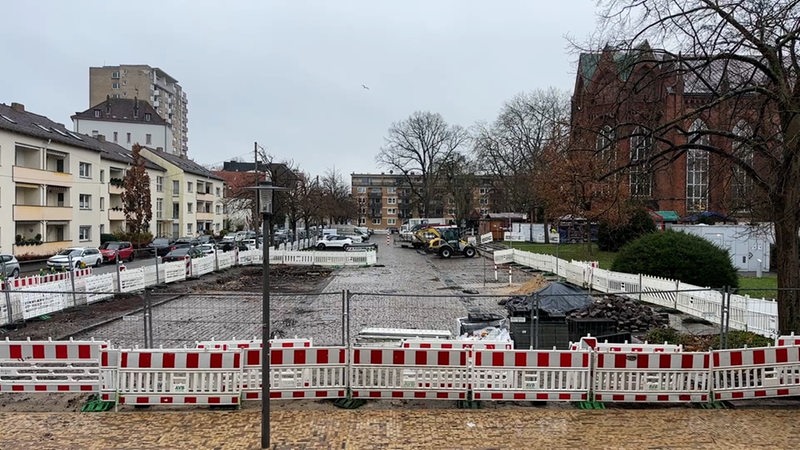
<point x="748" y="285"/>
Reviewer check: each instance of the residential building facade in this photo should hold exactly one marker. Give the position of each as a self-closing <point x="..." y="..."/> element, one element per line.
<point x="188" y="197"/>
<point x="151" y="84"/>
<point x="385" y="201"/>
<point x="50" y="193"/>
<point x="125" y="122"/>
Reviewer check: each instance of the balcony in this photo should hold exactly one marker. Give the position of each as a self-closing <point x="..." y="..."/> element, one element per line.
<point x="36" y="213"/>
<point x="36" y="176"/>
<point x="116" y="214"/>
<point x="204" y="216"/>
<point x="115" y="190"/>
<point x="43" y="249"/>
<point x="205" y="197"/>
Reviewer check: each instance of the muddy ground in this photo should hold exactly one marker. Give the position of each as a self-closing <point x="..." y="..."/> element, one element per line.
<point x="63" y="324"/>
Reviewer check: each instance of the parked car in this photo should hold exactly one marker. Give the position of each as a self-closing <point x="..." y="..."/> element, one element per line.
<point x="179" y="254"/>
<point x="187" y="240"/>
<point x="334" y="241"/>
<point x="10" y="265"/>
<point x="113" y="249"/>
<point x="208" y="249"/>
<point x="227" y="246"/>
<point x="159" y="246"/>
<point x="80" y="256"/>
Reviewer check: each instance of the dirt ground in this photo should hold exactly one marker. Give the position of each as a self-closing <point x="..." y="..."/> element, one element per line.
<point x="63" y="324"/>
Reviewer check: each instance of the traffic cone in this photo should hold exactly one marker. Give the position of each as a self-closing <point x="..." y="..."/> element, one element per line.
<point x="387" y="239"/>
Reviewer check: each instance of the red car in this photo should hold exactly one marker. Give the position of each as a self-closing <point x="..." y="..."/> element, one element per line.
<point x="110" y="250"/>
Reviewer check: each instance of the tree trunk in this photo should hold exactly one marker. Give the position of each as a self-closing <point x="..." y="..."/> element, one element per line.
<point x="788" y="270"/>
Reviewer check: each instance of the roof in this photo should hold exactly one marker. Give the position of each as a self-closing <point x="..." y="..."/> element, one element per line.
<point x="122" y="110"/>
<point x="114" y="152"/>
<point x="14" y="118"/>
<point x="185" y="164"/>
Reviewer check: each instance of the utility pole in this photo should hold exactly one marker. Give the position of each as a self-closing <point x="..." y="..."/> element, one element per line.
<point x="256" y="209"/>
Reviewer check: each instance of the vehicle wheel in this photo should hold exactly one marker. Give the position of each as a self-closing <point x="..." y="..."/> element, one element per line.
<point x="345" y="247"/>
<point x="15" y="273"/>
<point x="130" y="258"/>
<point x="320" y="246"/>
<point x="445" y="253"/>
<point x="99" y="262"/>
<point x="469" y="252"/>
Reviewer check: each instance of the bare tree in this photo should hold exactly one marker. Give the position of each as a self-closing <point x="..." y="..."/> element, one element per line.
<point x="136" y="198"/>
<point x="338" y="205"/>
<point x="416" y="148"/>
<point x="511" y="148"/>
<point x="459" y="181"/>
<point x="740" y="58"/>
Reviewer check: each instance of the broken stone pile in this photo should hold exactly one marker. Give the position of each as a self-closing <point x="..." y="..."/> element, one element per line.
<point x="630" y="315"/>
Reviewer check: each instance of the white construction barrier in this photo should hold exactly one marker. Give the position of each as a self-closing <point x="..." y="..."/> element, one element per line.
<point x="651" y="377"/>
<point x="531" y="375"/>
<point x="180" y="377"/>
<point x="309" y="372"/>
<point x="755" y="373"/>
<point x="50" y="366"/>
<point x="410" y="373"/>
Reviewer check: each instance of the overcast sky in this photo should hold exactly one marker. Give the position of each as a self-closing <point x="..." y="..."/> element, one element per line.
<point x="289" y="74"/>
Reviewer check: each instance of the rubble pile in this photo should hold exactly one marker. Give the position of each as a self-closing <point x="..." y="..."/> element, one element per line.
<point x="630" y="315"/>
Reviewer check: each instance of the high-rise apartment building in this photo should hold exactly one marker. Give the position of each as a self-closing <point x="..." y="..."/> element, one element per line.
<point x="146" y="83"/>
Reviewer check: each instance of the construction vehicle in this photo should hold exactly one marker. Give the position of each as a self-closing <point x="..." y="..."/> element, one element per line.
<point x="449" y="243"/>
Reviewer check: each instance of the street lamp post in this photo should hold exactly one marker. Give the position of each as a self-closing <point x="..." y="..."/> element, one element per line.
<point x="265" y="191"/>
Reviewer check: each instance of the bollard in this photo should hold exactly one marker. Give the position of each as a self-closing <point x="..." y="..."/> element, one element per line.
<point x="387" y="239"/>
<point x="495" y="272"/>
<point x="509" y="275"/>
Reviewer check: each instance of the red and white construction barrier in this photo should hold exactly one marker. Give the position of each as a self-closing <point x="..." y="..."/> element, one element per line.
<point x="755" y="373"/>
<point x="651" y="377"/>
<point x="197" y="377"/>
<point x="531" y="375"/>
<point x="47" y="366"/>
<point x="255" y="343"/>
<point x="591" y="343"/>
<point x="410" y="373"/>
<point x="314" y="372"/>
<point x="783" y="341"/>
<point x="461" y="343"/>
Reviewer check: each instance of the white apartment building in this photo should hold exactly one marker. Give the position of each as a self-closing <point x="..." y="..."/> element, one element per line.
<point x="125" y="122"/>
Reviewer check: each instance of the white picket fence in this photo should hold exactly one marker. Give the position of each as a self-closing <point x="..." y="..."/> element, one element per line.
<point x="759" y="316"/>
<point x="36" y="298"/>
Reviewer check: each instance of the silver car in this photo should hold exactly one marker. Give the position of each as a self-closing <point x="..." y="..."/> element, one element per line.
<point x="80" y="257"/>
<point x="10" y="265"/>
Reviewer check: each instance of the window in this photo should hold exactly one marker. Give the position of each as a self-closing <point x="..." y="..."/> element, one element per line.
<point x="391" y="221"/>
<point x="189" y="207"/>
<point x="115" y="75"/>
<point x="97" y="113"/>
<point x="148" y="139"/>
<point x="189" y="186"/>
<point x="84" y="233"/>
<point x="483" y="191"/>
<point x="116" y="138"/>
<point x="391" y="201"/>
<point x="159" y="184"/>
<point x="159" y="208"/>
<point x="189" y="229"/>
<point x="361" y="189"/>
<point x="697" y="169"/>
<point x="128" y="138"/>
<point x="391" y="211"/>
<point x="219" y="191"/>
<point x="102" y="175"/>
<point x="115" y="85"/>
<point x="219" y="209"/>
<point x="102" y="228"/>
<point x="640" y="182"/>
<point x="176" y="188"/>
<point x="176" y="210"/>
<point x="85" y="170"/>
<point x="147" y="117"/>
<point x="391" y="190"/>
<point x="742" y="185"/>
<point x="85" y="201"/>
<point x="484" y="201"/>
<point x="102" y="203"/>
<point x="376" y="221"/>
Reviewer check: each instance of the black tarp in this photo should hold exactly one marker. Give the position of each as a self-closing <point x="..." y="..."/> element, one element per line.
<point x="556" y="300"/>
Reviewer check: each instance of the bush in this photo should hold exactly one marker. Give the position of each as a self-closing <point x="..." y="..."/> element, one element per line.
<point x="611" y="237"/>
<point x="680" y="256"/>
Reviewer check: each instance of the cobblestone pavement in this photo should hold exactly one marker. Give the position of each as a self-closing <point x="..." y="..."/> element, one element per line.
<point x="523" y="428"/>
